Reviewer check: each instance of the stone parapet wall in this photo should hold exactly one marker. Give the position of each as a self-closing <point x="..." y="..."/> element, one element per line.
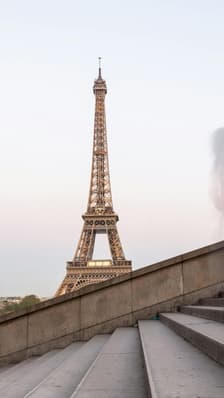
<point x="117" y="302"/>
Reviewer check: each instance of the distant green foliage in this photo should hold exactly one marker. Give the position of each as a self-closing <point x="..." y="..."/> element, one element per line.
<point x="26" y="302"/>
<point x="29" y="300"/>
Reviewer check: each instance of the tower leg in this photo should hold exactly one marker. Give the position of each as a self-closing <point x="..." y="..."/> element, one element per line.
<point x="115" y="244"/>
<point x="85" y="247"/>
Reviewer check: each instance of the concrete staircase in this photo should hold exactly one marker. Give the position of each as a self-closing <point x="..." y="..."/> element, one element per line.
<point x="179" y="355"/>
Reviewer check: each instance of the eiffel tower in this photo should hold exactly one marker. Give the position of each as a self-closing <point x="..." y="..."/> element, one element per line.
<point x="100" y="217"/>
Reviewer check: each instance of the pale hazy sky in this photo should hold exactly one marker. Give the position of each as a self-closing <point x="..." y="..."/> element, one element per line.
<point x="163" y="62"/>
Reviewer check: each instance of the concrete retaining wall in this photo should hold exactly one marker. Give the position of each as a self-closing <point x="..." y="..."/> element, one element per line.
<point x="118" y="302"/>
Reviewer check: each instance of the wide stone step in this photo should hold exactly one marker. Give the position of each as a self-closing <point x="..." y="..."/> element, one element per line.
<point x="21" y="378"/>
<point x="213" y="313"/>
<point x="4" y="368"/>
<point x="175" y="368"/>
<point x="13" y="368"/>
<point x="216" y="301"/>
<point x="65" y="378"/>
<point x="205" y="334"/>
<point x="118" y="371"/>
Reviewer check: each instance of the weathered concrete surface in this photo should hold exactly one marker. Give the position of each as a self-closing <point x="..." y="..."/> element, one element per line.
<point x="114" y="303"/>
<point x="205" y="334"/>
<point x="118" y="371"/>
<point x="215" y="301"/>
<point x="210" y="270"/>
<point x="66" y="377"/>
<point x="175" y="368"/>
<point x="13" y="335"/>
<point x="156" y="287"/>
<point x="61" y="323"/>
<point x="21" y="378"/>
<point x="213" y="313"/>
<point x="102" y="307"/>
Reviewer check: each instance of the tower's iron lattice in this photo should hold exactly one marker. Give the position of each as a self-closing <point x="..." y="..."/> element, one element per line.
<point x="100" y="217"/>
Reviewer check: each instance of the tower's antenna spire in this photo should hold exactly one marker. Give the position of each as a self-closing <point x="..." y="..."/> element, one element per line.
<point x="99" y="59"/>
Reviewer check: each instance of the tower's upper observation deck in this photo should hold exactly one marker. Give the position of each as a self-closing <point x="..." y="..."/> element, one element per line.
<point x="99" y="83"/>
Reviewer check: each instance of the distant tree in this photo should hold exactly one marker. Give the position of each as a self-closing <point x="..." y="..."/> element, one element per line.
<point x="29" y="300"/>
<point x="9" y="307"/>
<point x="26" y="302"/>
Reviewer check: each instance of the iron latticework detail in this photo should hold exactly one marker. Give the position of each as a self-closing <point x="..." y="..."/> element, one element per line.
<point x="100" y="217"/>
